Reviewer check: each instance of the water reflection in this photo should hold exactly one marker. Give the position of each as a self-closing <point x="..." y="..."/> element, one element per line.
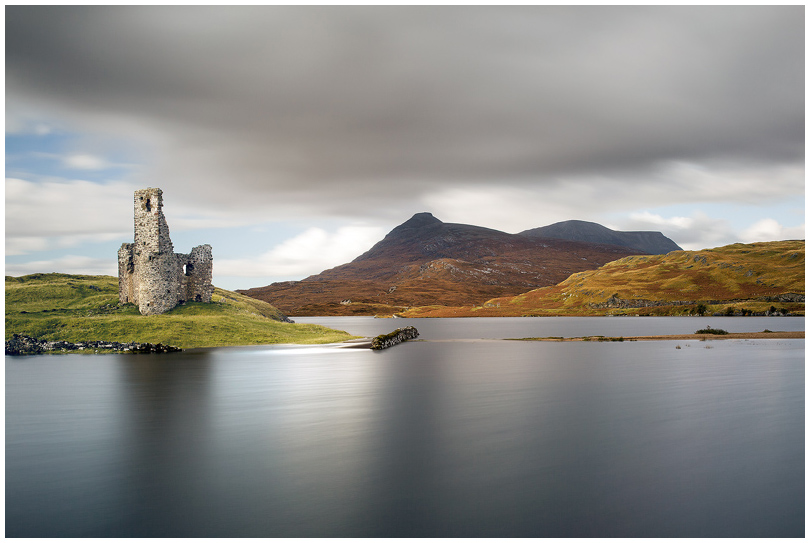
<point x="465" y="439"/>
<point x="166" y="437"/>
<point x="519" y="327"/>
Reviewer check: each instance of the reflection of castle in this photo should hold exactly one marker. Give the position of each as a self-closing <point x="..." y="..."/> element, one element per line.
<point x="150" y="274"/>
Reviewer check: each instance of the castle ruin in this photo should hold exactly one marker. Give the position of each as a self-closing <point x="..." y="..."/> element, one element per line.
<point x="150" y="274"/>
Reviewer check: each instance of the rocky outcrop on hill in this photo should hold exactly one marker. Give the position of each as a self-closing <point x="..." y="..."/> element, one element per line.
<point x="21" y="345"/>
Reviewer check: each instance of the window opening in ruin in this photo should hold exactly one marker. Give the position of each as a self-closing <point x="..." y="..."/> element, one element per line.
<point x="148" y="205"/>
<point x="188" y="269"/>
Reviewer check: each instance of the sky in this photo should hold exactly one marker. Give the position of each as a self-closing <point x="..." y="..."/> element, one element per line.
<point x="291" y="139"/>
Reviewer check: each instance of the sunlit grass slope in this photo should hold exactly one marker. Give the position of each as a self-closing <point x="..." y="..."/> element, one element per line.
<point x="85" y="308"/>
<point x="752" y="276"/>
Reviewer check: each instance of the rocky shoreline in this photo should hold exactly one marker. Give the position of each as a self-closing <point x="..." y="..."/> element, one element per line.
<point x="24" y="345"/>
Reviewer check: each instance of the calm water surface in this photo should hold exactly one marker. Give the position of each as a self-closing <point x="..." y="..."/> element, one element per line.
<point x="434" y="438"/>
<point x="502" y="328"/>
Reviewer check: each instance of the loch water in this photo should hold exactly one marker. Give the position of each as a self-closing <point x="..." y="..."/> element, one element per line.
<point x="461" y="435"/>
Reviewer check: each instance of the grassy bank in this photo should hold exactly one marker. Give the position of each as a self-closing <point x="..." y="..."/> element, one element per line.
<point x="85" y="308"/>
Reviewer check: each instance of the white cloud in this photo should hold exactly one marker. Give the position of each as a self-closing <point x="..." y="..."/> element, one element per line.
<point x="771" y="230"/>
<point x="513" y="205"/>
<point x="310" y="252"/>
<point x="84" y="162"/>
<point x="65" y="213"/>
<point x="692" y="233"/>
<point x="701" y="231"/>
<point x="17" y="123"/>
<point x="21" y="245"/>
<point x="74" y="264"/>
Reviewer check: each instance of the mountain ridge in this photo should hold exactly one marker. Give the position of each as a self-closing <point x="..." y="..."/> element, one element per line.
<point x="650" y="242"/>
<point x="426" y="261"/>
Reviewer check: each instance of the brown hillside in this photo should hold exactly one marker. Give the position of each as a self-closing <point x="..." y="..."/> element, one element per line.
<point x="425" y="261"/>
<point x="752" y="277"/>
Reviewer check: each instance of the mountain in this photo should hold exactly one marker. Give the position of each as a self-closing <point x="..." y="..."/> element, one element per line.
<point x="752" y="278"/>
<point x="425" y="261"/>
<point x="653" y="243"/>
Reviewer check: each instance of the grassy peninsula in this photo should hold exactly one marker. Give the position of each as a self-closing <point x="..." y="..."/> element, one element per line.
<point x="61" y="307"/>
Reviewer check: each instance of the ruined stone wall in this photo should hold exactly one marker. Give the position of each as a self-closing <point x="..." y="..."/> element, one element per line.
<point x="151" y="230"/>
<point x="126" y="274"/>
<point x="150" y="274"/>
<point x="196" y="274"/>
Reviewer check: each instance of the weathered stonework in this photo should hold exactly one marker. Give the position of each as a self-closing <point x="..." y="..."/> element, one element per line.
<point x="150" y="274"/>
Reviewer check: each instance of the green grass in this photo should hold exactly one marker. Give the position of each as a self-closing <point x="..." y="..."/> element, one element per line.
<point x="85" y="308"/>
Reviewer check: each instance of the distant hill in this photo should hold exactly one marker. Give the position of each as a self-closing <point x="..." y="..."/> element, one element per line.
<point x="426" y="261"/>
<point x="735" y="279"/>
<point x="76" y="308"/>
<point x="642" y="242"/>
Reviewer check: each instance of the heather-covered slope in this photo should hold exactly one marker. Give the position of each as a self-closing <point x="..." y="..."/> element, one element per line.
<point x="425" y="261"/>
<point x="734" y="279"/>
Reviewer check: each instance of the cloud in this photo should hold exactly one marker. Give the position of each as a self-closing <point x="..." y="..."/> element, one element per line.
<point x="692" y="233"/>
<point x="591" y="197"/>
<point x="75" y="264"/>
<point x="308" y="253"/>
<point x="506" y="117"/>
<point x="59" y="213"/>
<point x="64" y="213"/>
<point x="22" y="245"/>
<point x="701" y="231"/>
<point x="316" y="109"/>
<point x="770" y="230"/>
<point x="85" y="162"/>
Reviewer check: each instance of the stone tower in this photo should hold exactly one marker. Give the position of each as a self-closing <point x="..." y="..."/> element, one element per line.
<point x="150" y="274"/>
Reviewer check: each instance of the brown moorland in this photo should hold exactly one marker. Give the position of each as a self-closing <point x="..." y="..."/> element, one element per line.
<point x="737" y="279"/>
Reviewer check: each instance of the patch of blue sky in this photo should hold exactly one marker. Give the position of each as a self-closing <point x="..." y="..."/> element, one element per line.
<point x="236" y="242"/>
<point x="66" y="155"/>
